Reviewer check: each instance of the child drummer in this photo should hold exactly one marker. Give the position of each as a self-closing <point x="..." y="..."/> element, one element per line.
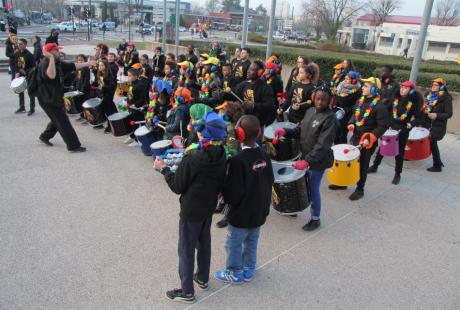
<point x="369" y="122"/>
<point x="405" y="114"/>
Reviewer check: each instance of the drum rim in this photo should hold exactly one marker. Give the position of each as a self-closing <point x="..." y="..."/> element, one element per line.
<point x="278" y="125"/>
<point x="168" y="143"/>
<point x="145" y="130"/>
<point x="87" y="105"/>
<point x="419" y="129"/>
<point x="349" y="160"/>
<point x="124" y="114"/>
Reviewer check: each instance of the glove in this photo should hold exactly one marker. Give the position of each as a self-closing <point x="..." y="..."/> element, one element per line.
<point x="351" y="127"/>
<point x="300" y="165"/>
<point x="279" y="133"/>
<point x="369" y="136"/>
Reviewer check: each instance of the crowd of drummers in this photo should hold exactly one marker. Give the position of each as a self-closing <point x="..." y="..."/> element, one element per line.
<point x="210" y="103"/>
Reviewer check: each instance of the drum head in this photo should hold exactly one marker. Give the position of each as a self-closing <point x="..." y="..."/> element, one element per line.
<point x="141" y="131"/>
<point x="92" y="103"/>
<point x="160" y="144"/>
<point x="418" y="133"/>
<point x="118" y="116"/>
<point x="390" y="133"/>
<point x="17" y="82"/>
<point x="122" y="79"/>
<point x="269" y="131"/>
<point x="285" y="173"/>
<point x="345" y="152"/>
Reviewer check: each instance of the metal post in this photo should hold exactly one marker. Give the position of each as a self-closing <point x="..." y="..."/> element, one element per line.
<point x="177" y="26"/>
<point x="244" y="38"/>
<point x="129" y="21"/>
<point x="90" y="20"/>
<point x="163" y="30"/>
<point x="421" y="40"/>
<point x="270" y="30"/>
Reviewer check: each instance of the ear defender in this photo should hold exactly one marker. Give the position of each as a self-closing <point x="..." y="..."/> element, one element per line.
<point x="442" y="87"/>
<point x="374" y="90"/>
<point x="240" y="134"/>
<point x="213" y="68"/>
<point x="412" y="91"/>
<point x="260" y="72"/>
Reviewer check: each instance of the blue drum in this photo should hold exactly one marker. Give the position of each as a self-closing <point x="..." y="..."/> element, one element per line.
<point x="158" y="148"/>
<point x="146" y="137"/>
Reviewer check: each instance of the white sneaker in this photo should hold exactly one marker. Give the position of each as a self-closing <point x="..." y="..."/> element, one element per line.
<point x="134" y="143"/>
<point x="128" y="140"/>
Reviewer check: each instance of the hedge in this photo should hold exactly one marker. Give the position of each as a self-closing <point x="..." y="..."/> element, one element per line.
<point x="366" y="64"/>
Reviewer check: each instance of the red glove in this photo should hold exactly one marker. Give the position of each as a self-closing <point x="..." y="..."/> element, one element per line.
<point x="281" y="132"/>
<point x="351" y="127"/>
<point x="300" y="165"/>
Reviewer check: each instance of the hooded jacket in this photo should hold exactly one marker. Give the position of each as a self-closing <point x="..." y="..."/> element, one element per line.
<point x="443" y="111"/>
<point x="198" y="180"/>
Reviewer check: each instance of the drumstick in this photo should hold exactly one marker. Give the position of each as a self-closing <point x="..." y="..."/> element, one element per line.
<point x="163" y="123"/>
<point x="161" y="126"/>
<point x="238" y="98"/>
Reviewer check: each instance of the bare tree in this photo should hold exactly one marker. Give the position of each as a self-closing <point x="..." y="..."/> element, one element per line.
<point x="212" y="6"/>
<point x="330" y="15"/>
<point x="447" y="11"/>
<point x="381" y="9"/>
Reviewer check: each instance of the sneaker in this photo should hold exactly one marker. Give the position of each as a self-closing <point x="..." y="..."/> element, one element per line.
<point x="98" y="127"/>
<point x="372" y="169"/>
<point x="222" y="223"/>
<point x="434" y="169"/>
<point x="44" y="141"/>
<point x="177" y="295"/>
<point x="396" y="179"/>
<point x="79" y="149"/>
<point x="134" y="143"/>
<point x="31" y="112"/>
<point x="204" y="286"/>
<point x="228" y="276"/>
<point x="128" y="140"/>
<point x="357" y="194"/>
<point x="107" y="130"/>
<point x="20" y="110"/>
<point x="312" y="225"/>
<point x="248" y="274"/>
<point x="337" y="187"/>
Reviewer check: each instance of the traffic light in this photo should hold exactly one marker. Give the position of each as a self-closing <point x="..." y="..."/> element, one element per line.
<point x="69" y="11"/>
<point x="86" y="12"/>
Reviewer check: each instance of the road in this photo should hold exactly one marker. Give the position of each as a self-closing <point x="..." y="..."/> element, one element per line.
<point x="98" y="230"/>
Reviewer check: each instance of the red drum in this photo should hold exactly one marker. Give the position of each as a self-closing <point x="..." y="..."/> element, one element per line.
<point x="389" y="143"/>
<point x="418" y="146"/>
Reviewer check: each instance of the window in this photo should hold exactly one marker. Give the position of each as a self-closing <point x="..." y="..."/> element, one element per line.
<point x="360" y="35"/>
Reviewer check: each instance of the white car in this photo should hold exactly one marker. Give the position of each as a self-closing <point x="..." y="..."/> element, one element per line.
<point x="182" y="29"/>
<point x="67" y="26"/>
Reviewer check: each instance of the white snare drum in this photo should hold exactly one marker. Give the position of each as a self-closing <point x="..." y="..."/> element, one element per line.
<point x="19" y="85"/>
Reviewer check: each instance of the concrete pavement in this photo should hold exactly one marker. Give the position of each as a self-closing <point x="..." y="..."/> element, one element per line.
<point x="98" y="230"/>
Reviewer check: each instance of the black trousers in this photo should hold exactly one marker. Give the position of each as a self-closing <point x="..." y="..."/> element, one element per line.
<point x="194" y="235"/>
<point x="403" y="136"/>
<point x="59" y="122"/>
<point x="435" y="154"/>
<point x="342" y="130"/>
<point x="22" y="101"/>
<point x="364" y="165"/>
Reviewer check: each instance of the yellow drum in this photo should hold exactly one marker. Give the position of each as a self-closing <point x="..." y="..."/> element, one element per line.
<point x="345" y="170"/>
<point x="122" y="86"/>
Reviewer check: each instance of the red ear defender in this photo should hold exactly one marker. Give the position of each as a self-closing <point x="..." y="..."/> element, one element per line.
<point x="240" y="134"/>
<point x="260" y="72"/>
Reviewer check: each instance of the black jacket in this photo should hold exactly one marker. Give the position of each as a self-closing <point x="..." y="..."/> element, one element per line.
<point x="24" y="62"/>
<point x="414" y="115"/>
<point x="138" y="96"/>
<point x="114" y="68"/>
<point x="38" y="52"/>
<point x="276" y="84"/>
<point x="147" y="73"/>
<point x="317" y="133"/>
<point x="389" y="91"/>
<point x="51" y="91"/>
<point x="158" y="65"/>
<point x="10" y="50"/>
<point x="293" y="74"/>
<point x="248" y="188"/>
<point x="443" y="110"/>
<point x="192" y="58"/>
<point x="82" y="82"/>
<point x="52" y="39"/>
<point x="198" y="180"/>
<point x="263" y="97"/>
<point x="241" y="70"/>
<point x="299" y="93"/>
<point x="180" y="115"/>
<point x="377" y="122"/>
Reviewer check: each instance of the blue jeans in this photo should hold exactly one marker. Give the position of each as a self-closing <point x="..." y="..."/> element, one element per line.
<point x="315" y="181"/>
<point x="241" y="246"/>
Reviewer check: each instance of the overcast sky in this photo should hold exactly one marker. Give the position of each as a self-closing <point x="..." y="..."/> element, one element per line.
<point x="409" y="7"/>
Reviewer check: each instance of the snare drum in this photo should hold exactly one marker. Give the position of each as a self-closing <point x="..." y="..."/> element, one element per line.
<point x="93" y="111"/>
<point x="290" y="193"/>
<point x="69" y="102"/>
<point x="146" y="137"/>
<point x="122" y="86"/>
<point x="120" y="124"/>
<point x="418" y="145"/>
<point x="19" y="85"/>
<point x="389" y="143"/>
<point x="158" y="148"/>
<point x="345" y="170"/>
<point x="285" y="149"/>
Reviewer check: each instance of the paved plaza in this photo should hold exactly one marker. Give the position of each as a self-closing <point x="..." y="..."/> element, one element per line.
<point x="98" y="230"/>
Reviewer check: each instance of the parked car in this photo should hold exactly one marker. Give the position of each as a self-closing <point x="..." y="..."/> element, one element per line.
<point x="182" y="29"/>
<point x="67" y="26"/>
<point x="109" y="26"/>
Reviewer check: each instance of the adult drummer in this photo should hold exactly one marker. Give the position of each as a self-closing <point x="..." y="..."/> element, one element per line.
<point x="51" y="97"/>
<point x="369" y="122"/>
<point x="405" y="114"/>
<point x="437" y="110"/>
<point x="317" y="133"/>
<point x="24" y="62"/>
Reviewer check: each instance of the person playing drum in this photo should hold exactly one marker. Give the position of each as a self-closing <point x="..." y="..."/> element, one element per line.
<point x="317" y="132"/>
<point x="369" y="122"/>
<point x="405" y="114"/>
<point x="24" y="62"/>
<point x="437" y="109"/>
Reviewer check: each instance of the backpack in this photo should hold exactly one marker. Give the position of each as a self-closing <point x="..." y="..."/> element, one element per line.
<point x="32" y="81"/>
